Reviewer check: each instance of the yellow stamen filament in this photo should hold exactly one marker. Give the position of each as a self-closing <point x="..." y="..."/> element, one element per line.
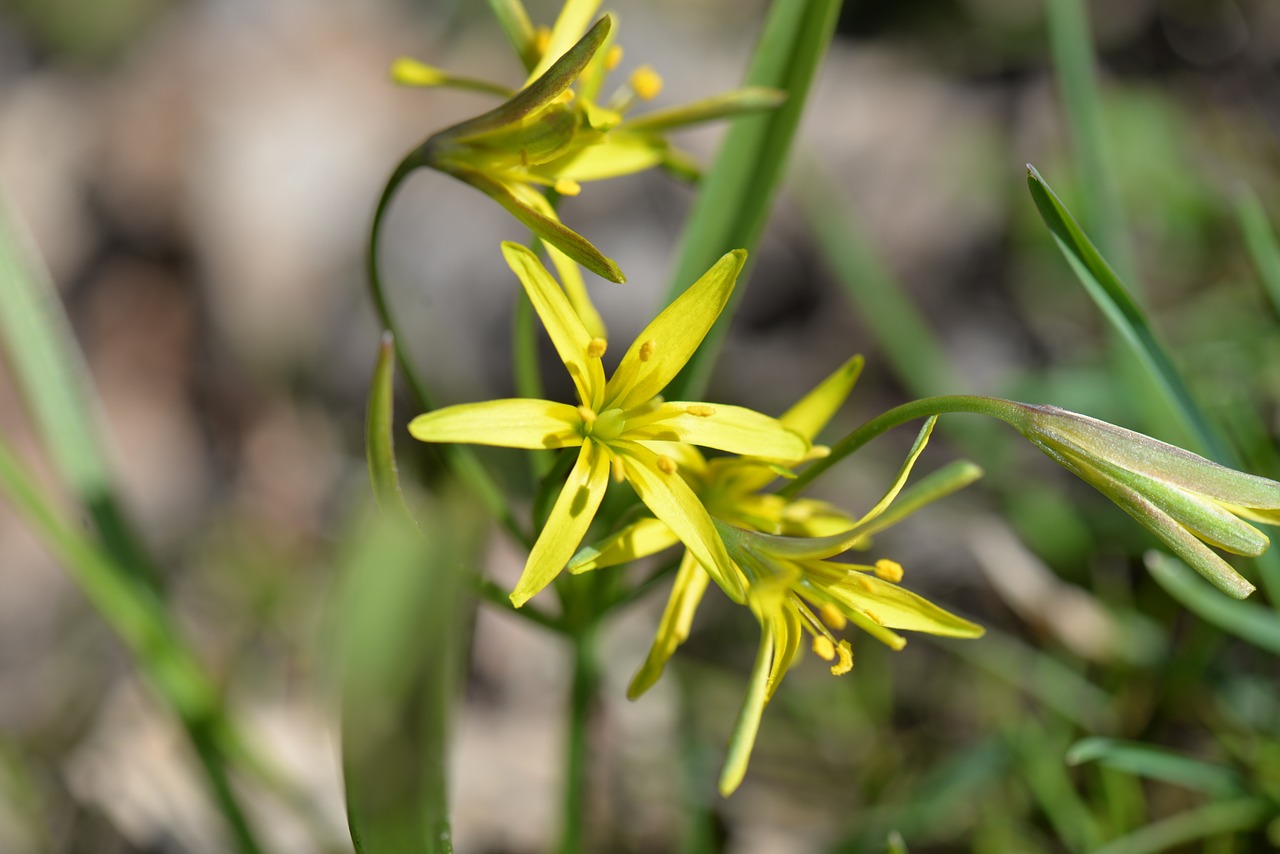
<point x="701" y="410"/>
<point x="646" y="83"/>
<point x="613" y="57"/>
<point x="588" y="415"/>
<point x="646" y="350"/>
<point x="889" y="570"/>
<point x="597" y="347"/>
<point x="666" y="465"/>
<point x="619" y="471"/>
<point x="845" y="664"/>
<point x="872" y="616"/>
<point x="831" y="615"/>
<point x="824" y="648"/>
<point x="568" y="187"/>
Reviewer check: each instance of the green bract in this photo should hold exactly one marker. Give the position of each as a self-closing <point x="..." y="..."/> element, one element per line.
<point x="618" y="423"/>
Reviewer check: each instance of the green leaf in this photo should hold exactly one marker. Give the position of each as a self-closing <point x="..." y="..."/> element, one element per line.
<point x="518" y="29"/>
<point x="1255" y="624"/>
<point x="1157" y="763"/>
<point x="1209" y="820"/>
<point x="41" y="351"/>
<point x="734" y="199"/>
<point x="380" y="451"/>
<point x="401" y="635"/>
<point x="1261" y="241"/>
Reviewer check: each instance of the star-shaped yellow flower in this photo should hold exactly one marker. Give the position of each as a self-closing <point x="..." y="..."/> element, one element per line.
<point x="615" y="422"/>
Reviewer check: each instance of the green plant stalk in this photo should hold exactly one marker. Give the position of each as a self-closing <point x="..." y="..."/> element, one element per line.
<point x="734" y="198"/>
<point x="583" y="702"/>
<point x="139" y="619"/>
<point x="465" y="465"/>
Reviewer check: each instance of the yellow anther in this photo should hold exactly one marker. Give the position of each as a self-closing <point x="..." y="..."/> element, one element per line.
<point x="410" y="72"/>
<point x="646" y="83"/>
<point x="824" y="648"/>
<point x="889" y="570"/>
<point x="568" y="187"/>
<point x="865" y="583"/>
<point x="564" y="97"/>
<point x="871" y="615"/>
<point x="646" y="350"/>
<point x="619" y="471"/>
<point x="588" y="415"/>
<point x="845" y="664"/>
<point x="541" y="40"/>
<point x="831" y="615"/>
<point x="666" y="465"/>
<point x="596" y="348"/>
<point x="701" y="410"/>
<point x="613" y="57"/>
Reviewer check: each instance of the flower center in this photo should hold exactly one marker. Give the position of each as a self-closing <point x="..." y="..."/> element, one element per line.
<point x="608" y="425"/>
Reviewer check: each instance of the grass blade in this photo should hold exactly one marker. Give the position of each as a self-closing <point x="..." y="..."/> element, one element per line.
<point x="380" y="453"/>
<point x="1264" y="249"/>
<point x="734" y="198"/>
<point x="1249" y="622"/>
<point x="1156" y="763"/>
<point x="1200" y="823"/>
<point x="41" y="351"/>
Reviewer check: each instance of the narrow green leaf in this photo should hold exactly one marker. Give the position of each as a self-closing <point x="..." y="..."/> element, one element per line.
<point x="1264" y="249"/>
<point x="41" y="351"/>
<point x="380" y="451"/>
<point x="518" y="29"/>
<point x="1112" y="297"/>
<point x="1073" y="61"/>
<point x="401" y="635"/>
<point x="1249" y="622"/>
<point x="734" y="199"/>
<point x="1199" y="823"/>
<point x="1157" y="763"/>
<point x="752" y="99"/>
<point x="1045" y="776"/>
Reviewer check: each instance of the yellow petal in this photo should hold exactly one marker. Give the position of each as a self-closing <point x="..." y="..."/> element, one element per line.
<point x="571" y="23"/>
<point x="666" y="344"/>
<point x="890" y="605"/>
<point x="510" y="423"/>
<point x="673" y="630"/>
<point x="576" y="290"/>
<point x="727" y="428"/>
<point x="570" y="337"/>
<point x="568" y="522"/>
<point x="744" y="731"/>
<point x="734" y="103"/>
<point x="904" y="472"/>
<point x="670" y="499"/>
<point x="613" y="156"/>
<point x="812" y="412"/>
<point x="639" y="539"/>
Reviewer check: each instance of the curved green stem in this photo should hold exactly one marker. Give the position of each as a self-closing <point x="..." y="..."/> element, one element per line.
<point x="461" y="460"/>
<point x="883" y="423"/>
<point x="583" y="700"/>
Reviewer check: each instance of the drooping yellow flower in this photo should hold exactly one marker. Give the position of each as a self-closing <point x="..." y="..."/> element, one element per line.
<point x="555" y="132"/>
<point x="614" y="421"/>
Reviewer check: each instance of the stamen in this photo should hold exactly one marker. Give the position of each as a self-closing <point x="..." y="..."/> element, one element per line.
<point x="597" y="347"/>
<point x="824" y="648"/>
<point x="831" y="615"/>
<point x="889" y="570"/>
<point x="701" y="410"/>
<point x="619" y="470"/>
<point x="845" y="664"/>
<point x="613" y="57"/>
<point x="865" y="583"/>
<point x="541" y="40"/>
<point x="666" y="465"/>
<point x="588" y="415"/>
<point x="646" y="82"/>
<point x="646" y="350"/>
<point x="568" y="187"/>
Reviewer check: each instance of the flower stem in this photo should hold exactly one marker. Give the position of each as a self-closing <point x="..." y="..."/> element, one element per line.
<point x="583" y="701"/>
<point x="883" y="423"/>
<point x="462" y="461"/>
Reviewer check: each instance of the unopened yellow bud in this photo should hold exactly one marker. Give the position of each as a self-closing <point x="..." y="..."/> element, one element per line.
<point x="568" y="187"/>
<point x="831" y="615"/>
<point x="646" y="83"/>
<point x="666" y="465"/>
<point x="646" y="350"/>
<point x="824" y="648"/>
<point x="889" y="570"/>
<point x="596" y="348"/>
<point x="701" y="410"/>
<point x="845" y="664"/>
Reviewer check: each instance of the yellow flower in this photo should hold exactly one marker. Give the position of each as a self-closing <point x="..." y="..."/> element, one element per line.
<point x="615" y="421"/>
<point x="793" y="589"/>
<point x="554" y="132"/>
<point x="1184" y="499"/>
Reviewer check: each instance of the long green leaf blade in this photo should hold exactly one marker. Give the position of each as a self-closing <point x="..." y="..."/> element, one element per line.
<point x="1264" y="249"/>
<point x="1156" y="763"/>
<point x="1247" y="621"/>
<point x="735" y="196"/>
<point x="1199" y="823"/>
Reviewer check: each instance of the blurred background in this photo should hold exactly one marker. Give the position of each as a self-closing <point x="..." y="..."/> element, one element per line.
<point x="199" y="176"/>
